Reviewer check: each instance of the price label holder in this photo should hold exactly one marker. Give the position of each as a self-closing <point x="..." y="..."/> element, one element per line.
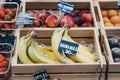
<point x="64" y="7"/>
<point x="17" y="1"/>
<point x="25" y="18"/>
<point x="118" y="3"/>
<point x="41" y="75"/>
<point x="68" y="47"/>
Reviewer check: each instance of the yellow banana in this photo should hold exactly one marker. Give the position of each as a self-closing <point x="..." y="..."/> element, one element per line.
<point x="22" y="49"/>
<point x="55" y="41"/>
<point x="81" y="58"/>
<point x="83" y="54"/>
<point x="49" y="48"/>
<point x="40" y="56"/>
<point x="68" y="60"/>
<point x="47" y="53"/>
<point x="68" y="38"/>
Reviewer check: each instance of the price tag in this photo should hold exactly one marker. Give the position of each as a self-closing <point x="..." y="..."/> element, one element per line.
<point x="118" y="3"/>
<point x="68" y="47"/>
<point x="26" y="16"/>
<point x="41" y="75"/>
<point x="17" y="1"/>
<point x="22" y="21"/>
<point x="65" y="7"/>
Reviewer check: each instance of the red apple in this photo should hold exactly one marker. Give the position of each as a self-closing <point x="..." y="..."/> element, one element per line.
<point x="86" y="25"/>
<point x="44" y="15"/>
<point x="81" y="12"/>
<point x="68" y="20"/>
<point x="87" y="17"/>
<point x="52" y="21"/>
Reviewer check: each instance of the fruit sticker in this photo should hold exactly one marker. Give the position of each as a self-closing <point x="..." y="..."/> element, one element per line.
<point x="68" y="47"/>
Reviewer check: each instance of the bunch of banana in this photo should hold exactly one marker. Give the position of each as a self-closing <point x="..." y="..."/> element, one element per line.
<point x="55" y="41"/>
<point x="29" y="52"/>
<point x="23" y="43"/>
<point x="39" y="55"/>
<point x="83" y="54"/>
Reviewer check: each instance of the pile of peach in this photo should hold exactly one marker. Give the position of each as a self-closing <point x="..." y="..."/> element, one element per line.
<point x="111" y="17"/>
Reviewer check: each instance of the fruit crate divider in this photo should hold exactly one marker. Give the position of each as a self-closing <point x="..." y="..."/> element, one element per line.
<point x="104" y="52"/>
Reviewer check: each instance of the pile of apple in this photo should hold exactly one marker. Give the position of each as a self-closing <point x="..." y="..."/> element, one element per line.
<point x="7" y="14"/>
<point x="111" y="17"/>
<point x="81" y="18"/>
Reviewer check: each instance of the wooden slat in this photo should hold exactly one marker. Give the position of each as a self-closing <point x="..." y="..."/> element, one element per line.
<point x="112" y="76"/>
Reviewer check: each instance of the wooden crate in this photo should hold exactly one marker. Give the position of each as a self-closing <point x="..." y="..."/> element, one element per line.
<point x="106" y="5"/>
<point x="62" y="76"/>
<point x="90" y="76"/>
<point x="40" y="5"/>
<point x="113" y="67"/>
<point x="89" y="35"/>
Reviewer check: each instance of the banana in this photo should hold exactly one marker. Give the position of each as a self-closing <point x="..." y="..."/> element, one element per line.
<point x="38" y="56"/>
<point x="49" y="48"/>
<point x="83" y="53"/>
<point x="83" y="57"/>
<point x="55" y="41"/>
<point x="47" y="53"/>
<point x="80" y="58"/>
<point x="22" y="48"/>
<point x="68" y="60"/>
<point x="68" y="38"/>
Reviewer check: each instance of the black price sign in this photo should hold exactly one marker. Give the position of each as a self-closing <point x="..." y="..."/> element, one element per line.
<point x="41" y="75"/>
<point x="68" y="47"/>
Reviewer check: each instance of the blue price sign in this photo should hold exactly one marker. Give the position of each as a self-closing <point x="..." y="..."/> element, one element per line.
<point x="68" y="47"/>
<point x="65" y="7"/>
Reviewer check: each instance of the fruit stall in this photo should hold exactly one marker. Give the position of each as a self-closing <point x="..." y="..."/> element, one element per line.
<point x="59" y="40"/>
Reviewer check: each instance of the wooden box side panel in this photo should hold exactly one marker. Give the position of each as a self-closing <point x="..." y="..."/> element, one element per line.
<point x="91" y="76"/>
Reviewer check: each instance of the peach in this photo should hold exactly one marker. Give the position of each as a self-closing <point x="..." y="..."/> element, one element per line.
<point x="112" y="13"/>
<point x="115" y="20"/>
<point x="106" y="20"/>
<point x="105" y="14"/>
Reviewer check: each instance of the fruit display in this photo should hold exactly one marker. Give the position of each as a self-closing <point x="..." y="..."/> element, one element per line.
<point x="4" y="63"/>
<point x="111" y="18"/>
<point x="32" y="53"/>
<point x="50" y="19"/>
<point x="7" y="38"/>
<point x="115" y="48"/>
<point x="8" y="13"/>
